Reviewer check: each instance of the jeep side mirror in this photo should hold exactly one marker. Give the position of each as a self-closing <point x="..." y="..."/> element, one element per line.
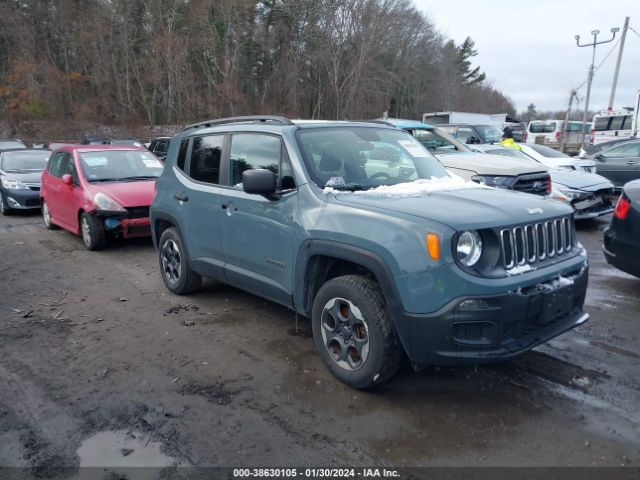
<point x="67" y="179"/>
<point x="473" y="139"/>
<point x="600" y="157"/>
<point x="259" y="181"/>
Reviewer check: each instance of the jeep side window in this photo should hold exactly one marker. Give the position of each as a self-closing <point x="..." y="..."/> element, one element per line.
<point x="182" y="154"/>
<point x="206" y="153"/>
<point x="251" y="151"/>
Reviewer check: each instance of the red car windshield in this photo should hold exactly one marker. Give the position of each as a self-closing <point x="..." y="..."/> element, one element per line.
<point x="120" y="165"/>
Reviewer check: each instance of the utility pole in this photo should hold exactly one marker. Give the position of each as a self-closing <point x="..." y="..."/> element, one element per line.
<point x="615" y="75"/>
<point x="593" y="60"/>
<point x="566" y="120"/>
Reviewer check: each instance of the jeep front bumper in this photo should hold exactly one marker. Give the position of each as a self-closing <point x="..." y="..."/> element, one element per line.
<point x="486" y="329"/>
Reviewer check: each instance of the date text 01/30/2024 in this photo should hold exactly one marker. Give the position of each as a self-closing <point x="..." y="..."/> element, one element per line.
<point x="315" y="473"/>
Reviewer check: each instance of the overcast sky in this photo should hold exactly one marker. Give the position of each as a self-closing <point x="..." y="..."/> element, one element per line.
<point x="528" y="50"/>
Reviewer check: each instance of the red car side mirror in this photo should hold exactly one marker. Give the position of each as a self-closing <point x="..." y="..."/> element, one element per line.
<point x="67" y="179"/>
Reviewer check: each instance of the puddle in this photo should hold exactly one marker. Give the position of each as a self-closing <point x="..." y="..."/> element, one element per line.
<point x="122" y="449"/>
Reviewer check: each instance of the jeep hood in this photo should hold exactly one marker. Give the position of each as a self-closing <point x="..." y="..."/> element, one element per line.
<point x="463" y="209"/>
<point x="487" y="164"/>
<point x="579" y="179"/>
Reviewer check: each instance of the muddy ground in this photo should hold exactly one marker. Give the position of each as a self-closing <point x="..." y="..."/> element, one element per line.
<point x="99" y="363"/>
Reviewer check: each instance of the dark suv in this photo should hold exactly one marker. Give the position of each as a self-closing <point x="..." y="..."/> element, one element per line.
<point x="358" y="227"/>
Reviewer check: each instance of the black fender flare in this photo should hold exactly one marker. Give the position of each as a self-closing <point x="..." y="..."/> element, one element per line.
<point x="167" y="217"/>
<point x="360" y="256"/>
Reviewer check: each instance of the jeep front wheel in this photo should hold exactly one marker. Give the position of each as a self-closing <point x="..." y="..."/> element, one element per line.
<point x="353" y="332"/>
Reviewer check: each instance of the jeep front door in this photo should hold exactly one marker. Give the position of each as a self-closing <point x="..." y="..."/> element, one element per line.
<point x="257" y="233"/>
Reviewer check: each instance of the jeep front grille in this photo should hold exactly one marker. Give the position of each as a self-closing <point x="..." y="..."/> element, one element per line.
<point x="535" y="242"/>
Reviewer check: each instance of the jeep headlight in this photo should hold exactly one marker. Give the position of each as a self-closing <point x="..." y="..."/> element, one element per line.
<point x="11" y="184"/>
<point x="493" y="181"/>
<point x="469" y="248"/>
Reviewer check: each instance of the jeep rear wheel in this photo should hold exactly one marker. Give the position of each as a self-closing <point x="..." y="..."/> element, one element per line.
<point x="353" y="332"/>
<point x="174" y="265"/>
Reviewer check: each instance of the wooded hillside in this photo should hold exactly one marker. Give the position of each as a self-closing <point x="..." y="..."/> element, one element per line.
<point x="174" y="61"/>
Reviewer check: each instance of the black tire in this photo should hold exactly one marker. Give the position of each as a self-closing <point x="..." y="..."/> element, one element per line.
<point x="92" y="232"/>
<point x="4" y="209"/>
<point x="383" y="355"/>
<point x="46" y="217"/>
<point x="176" y="273"/>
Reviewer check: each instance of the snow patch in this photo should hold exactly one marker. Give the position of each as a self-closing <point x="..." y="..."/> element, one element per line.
<point x="519" y="269"/>
<point x="417" y="188"/>
<point x="335" y="182"/>
<point x="557" y="283"/>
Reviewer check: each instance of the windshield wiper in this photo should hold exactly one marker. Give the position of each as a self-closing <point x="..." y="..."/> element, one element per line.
<point x="140" y="177"/>
<point x="348" y="187"/>
<point x="104" y="180"/>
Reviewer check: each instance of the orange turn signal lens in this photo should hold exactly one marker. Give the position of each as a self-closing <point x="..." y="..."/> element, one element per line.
<point x="433" y="245"/>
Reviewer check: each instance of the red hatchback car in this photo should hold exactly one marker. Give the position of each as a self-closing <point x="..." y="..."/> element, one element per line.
<point x="94" y="189"/>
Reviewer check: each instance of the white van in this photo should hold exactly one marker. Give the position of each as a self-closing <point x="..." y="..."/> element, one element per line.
<point x="612" y="125"/>
<point x="549" y="133"/>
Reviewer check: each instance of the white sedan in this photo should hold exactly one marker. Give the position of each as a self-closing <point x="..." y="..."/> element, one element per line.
<point x="555" y="159"/>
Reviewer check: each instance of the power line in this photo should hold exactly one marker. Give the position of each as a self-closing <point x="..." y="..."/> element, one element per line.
<point x="631" y="28"/>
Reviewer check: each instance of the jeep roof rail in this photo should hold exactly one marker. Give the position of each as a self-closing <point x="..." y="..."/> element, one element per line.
<point x="377" y="120"/>
<point x="247" y="118"/>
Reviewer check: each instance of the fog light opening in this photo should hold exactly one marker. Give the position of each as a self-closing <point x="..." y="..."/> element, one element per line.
<point x="473" y="304"/>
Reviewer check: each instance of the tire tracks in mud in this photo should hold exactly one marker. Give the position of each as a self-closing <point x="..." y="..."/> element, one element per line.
<point x="49" y="422"/>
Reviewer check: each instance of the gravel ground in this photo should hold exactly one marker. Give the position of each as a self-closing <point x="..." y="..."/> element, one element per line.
<point x="100" y="364"/>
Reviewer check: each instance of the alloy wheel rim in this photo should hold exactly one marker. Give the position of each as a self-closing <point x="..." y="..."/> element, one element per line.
<point x="171" y="261"/>
<point x="86" y="231"/>
<point x="345" y="333"/>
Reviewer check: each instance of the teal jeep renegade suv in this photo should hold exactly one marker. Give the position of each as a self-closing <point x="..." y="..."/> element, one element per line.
<point x="358" y="227"/>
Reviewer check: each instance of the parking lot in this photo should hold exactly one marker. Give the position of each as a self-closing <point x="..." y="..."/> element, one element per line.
<point x="94" y="349"/>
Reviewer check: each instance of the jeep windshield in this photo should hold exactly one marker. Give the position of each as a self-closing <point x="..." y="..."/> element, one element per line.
<point x="120" y="166"/>
<point x="360" y="158"/>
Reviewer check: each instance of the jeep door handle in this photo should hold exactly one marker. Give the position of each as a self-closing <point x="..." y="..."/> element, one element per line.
<point x="631" y="162"/>
<point x="181" y="197"/>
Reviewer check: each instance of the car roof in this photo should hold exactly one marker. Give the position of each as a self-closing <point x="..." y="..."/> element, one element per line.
<point x="466" y="125"/>
<point x="403" y="123"/>
<point x="99" y="148"/>
<point x="23" y="150"/>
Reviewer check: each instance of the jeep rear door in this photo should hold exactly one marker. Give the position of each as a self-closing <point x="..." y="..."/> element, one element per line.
<point x="257" y="233"/>
<point x="197" y="201"/>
